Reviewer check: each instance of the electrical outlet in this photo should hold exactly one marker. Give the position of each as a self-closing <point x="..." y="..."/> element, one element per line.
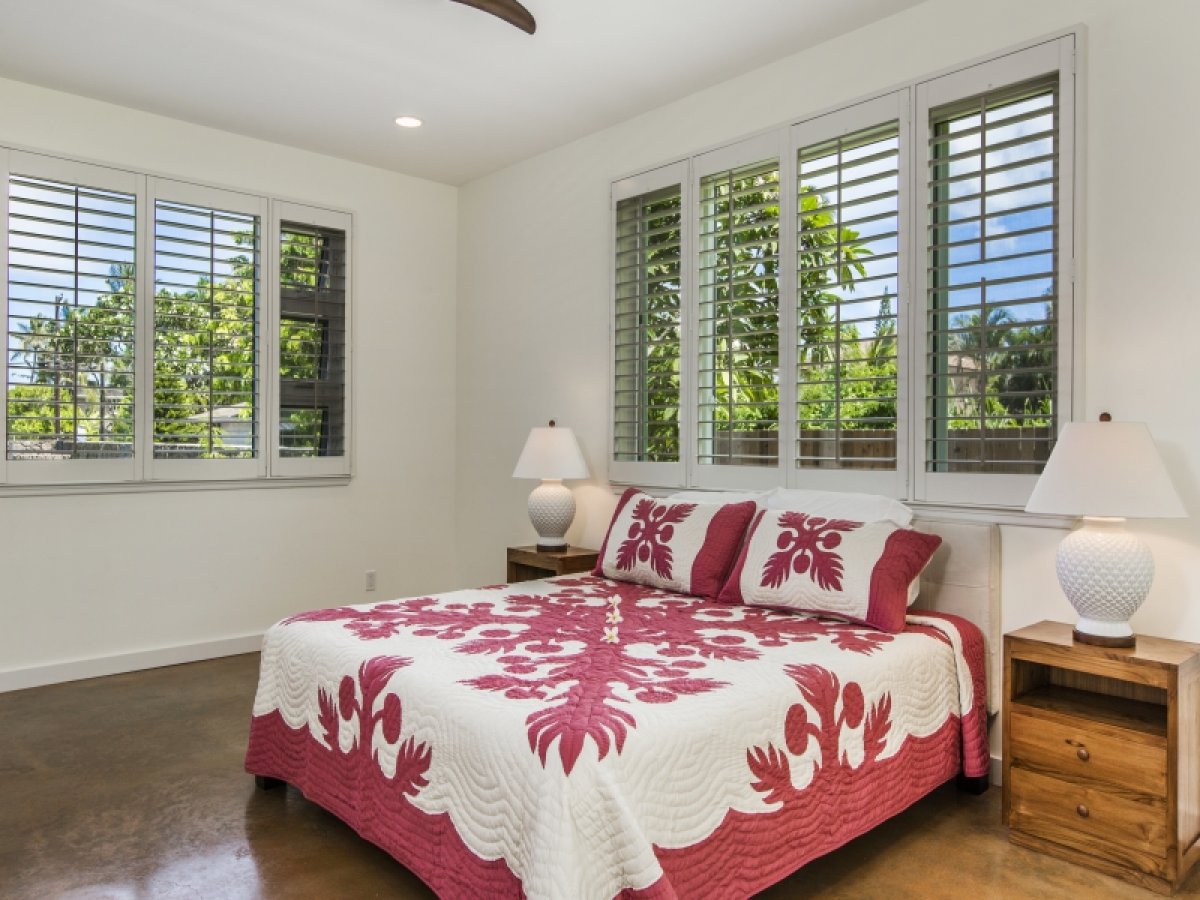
<point x="370" y="580"/>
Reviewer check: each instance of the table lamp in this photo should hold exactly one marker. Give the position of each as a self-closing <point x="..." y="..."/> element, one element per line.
<point x="1105" y="472"/>
<point x="551" y="454"/>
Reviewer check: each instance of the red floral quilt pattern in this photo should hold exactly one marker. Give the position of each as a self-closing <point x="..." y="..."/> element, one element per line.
<point x="584" y="737"/>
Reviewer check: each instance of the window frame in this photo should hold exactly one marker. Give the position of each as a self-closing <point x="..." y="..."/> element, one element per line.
<point x="890" y="107"/>
<point x="1056" y="55"/>
<point x="306" y="466"/>
<point x="908" y="104"/>
<point x="74" y="471"/>
<point x="760" y="148"/>
<point x="159" y="469"/>
<point x="142" y="472"/>
<point x="666" y="474"/>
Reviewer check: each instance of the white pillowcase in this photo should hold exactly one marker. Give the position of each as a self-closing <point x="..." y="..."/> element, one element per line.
<point x="846" y="505"/>
<point x="830" y="504"/>
<point x="842" y="505"/>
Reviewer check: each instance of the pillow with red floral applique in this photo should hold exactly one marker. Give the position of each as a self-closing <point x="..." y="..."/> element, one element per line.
<point x="860" y="571"/>
<point x="685" y="547"/>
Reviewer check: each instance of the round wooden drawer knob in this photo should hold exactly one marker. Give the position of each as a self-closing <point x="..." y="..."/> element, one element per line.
<point x="1083" y="811"/>
<point x="1083" y="754"/>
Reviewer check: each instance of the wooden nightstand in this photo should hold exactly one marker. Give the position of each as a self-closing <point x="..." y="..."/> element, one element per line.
<point x="529" y="563"/>
<point x="1102" y="753"/>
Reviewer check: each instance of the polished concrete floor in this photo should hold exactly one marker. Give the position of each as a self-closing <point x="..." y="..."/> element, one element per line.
<point x="131" y="788"/>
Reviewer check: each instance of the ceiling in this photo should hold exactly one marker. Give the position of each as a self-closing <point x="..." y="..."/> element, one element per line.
<point x="332" y="76"/>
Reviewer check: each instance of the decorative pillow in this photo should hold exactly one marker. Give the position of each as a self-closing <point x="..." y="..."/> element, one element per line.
<point x="859" y="571"/>
<point x="841" y="505"/>
<point x="685" y="547"/>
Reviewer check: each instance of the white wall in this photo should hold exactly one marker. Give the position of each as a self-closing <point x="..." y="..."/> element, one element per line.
<point x="534" y="257"/>
<point x="98" y="577"/>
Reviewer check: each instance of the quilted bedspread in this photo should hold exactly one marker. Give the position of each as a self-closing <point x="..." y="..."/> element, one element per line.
<point x="580" y="737"/>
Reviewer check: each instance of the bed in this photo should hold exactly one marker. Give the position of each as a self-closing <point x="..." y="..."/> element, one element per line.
<point x="585" y="737"/>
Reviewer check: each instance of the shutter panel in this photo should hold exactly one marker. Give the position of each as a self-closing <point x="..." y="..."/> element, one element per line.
<point x="848" y="244"/>
<point x="647" y="326"/>
<point x="71" y="321"/>
<point x="738" y="320"/>
<point x="206" y="291"/>
<point x="993" y="283"/>
<point x="312" y="341"/>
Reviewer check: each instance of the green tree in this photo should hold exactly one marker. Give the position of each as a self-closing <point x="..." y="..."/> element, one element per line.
<point x="77" y="393"/>
<point x="204" y="355"/>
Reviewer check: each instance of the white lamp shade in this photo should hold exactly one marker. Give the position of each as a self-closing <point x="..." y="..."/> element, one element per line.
<point x="1106" y="469"/>
<point x="551" y="453"/>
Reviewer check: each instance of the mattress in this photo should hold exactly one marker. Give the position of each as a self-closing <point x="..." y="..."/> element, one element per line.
<point x="581" y="737"/>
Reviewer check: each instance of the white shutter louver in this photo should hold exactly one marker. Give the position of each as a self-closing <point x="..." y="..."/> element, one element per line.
<point x="312" y="341"/>
<point x="71" y="321"/>
<point x="847" y="300"/>
<point x="646" y="330"/>
<point x="993" y="281"/>
<point x="738" y="322"/>
<point x="206" y="290"/>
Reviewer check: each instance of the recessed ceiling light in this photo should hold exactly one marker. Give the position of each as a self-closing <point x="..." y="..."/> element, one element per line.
<point x="408" y="122"/>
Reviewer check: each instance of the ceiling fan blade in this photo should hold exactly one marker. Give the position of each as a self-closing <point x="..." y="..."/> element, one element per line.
<point x="509" y="10"/>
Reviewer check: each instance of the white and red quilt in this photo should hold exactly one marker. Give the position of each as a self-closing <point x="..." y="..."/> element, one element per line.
<point x="581" y="737"/>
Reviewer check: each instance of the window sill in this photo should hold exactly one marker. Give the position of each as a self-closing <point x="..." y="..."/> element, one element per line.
<point x="159" y="487"/>
<point x="947" y="512"/>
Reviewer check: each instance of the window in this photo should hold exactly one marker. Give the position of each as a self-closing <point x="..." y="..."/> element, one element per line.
<point x="924" y="348"/>
<point x="647" y="329"/>
<point x="993" y="290"/>
<point x="650" y="280"/>
<point x="113" y="375"/>
<point x="71" y="320"/>
<point x="313" y="290"/>
<point x="206" y="301"/>
<point x="848" y="294"/>
<point x="998" y="297"/>
<point x="738" y="320"/>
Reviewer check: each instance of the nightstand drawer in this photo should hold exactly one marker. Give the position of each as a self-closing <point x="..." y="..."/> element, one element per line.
<point x="1072" y="749"/>
<point x="1091" y="819"/>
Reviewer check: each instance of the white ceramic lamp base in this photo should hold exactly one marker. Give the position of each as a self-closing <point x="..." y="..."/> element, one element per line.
<point x="551" y="510"/>
<point x="1106" y="573"/>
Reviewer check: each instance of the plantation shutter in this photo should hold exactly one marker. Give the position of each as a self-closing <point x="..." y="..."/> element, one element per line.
<point x="993" y="280"/>
<point x="71" y="321"/>
<point x="848" y="297"/>
<point x="647" y="326"/>
<point x="996" y="289"/>
<point x="206" y="306"/>
<point x="312" y="341"/>
<point x="648" y="322"/>
<point x="738" y="316"/>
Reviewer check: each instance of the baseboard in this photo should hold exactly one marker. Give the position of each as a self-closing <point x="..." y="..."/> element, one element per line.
<point x="997" y="771"/>
<point x="96" y="667"/>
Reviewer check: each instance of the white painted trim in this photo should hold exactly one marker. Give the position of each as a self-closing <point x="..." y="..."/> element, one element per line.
<point x="159" y="487"/>
<point x="96" y="667"/>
